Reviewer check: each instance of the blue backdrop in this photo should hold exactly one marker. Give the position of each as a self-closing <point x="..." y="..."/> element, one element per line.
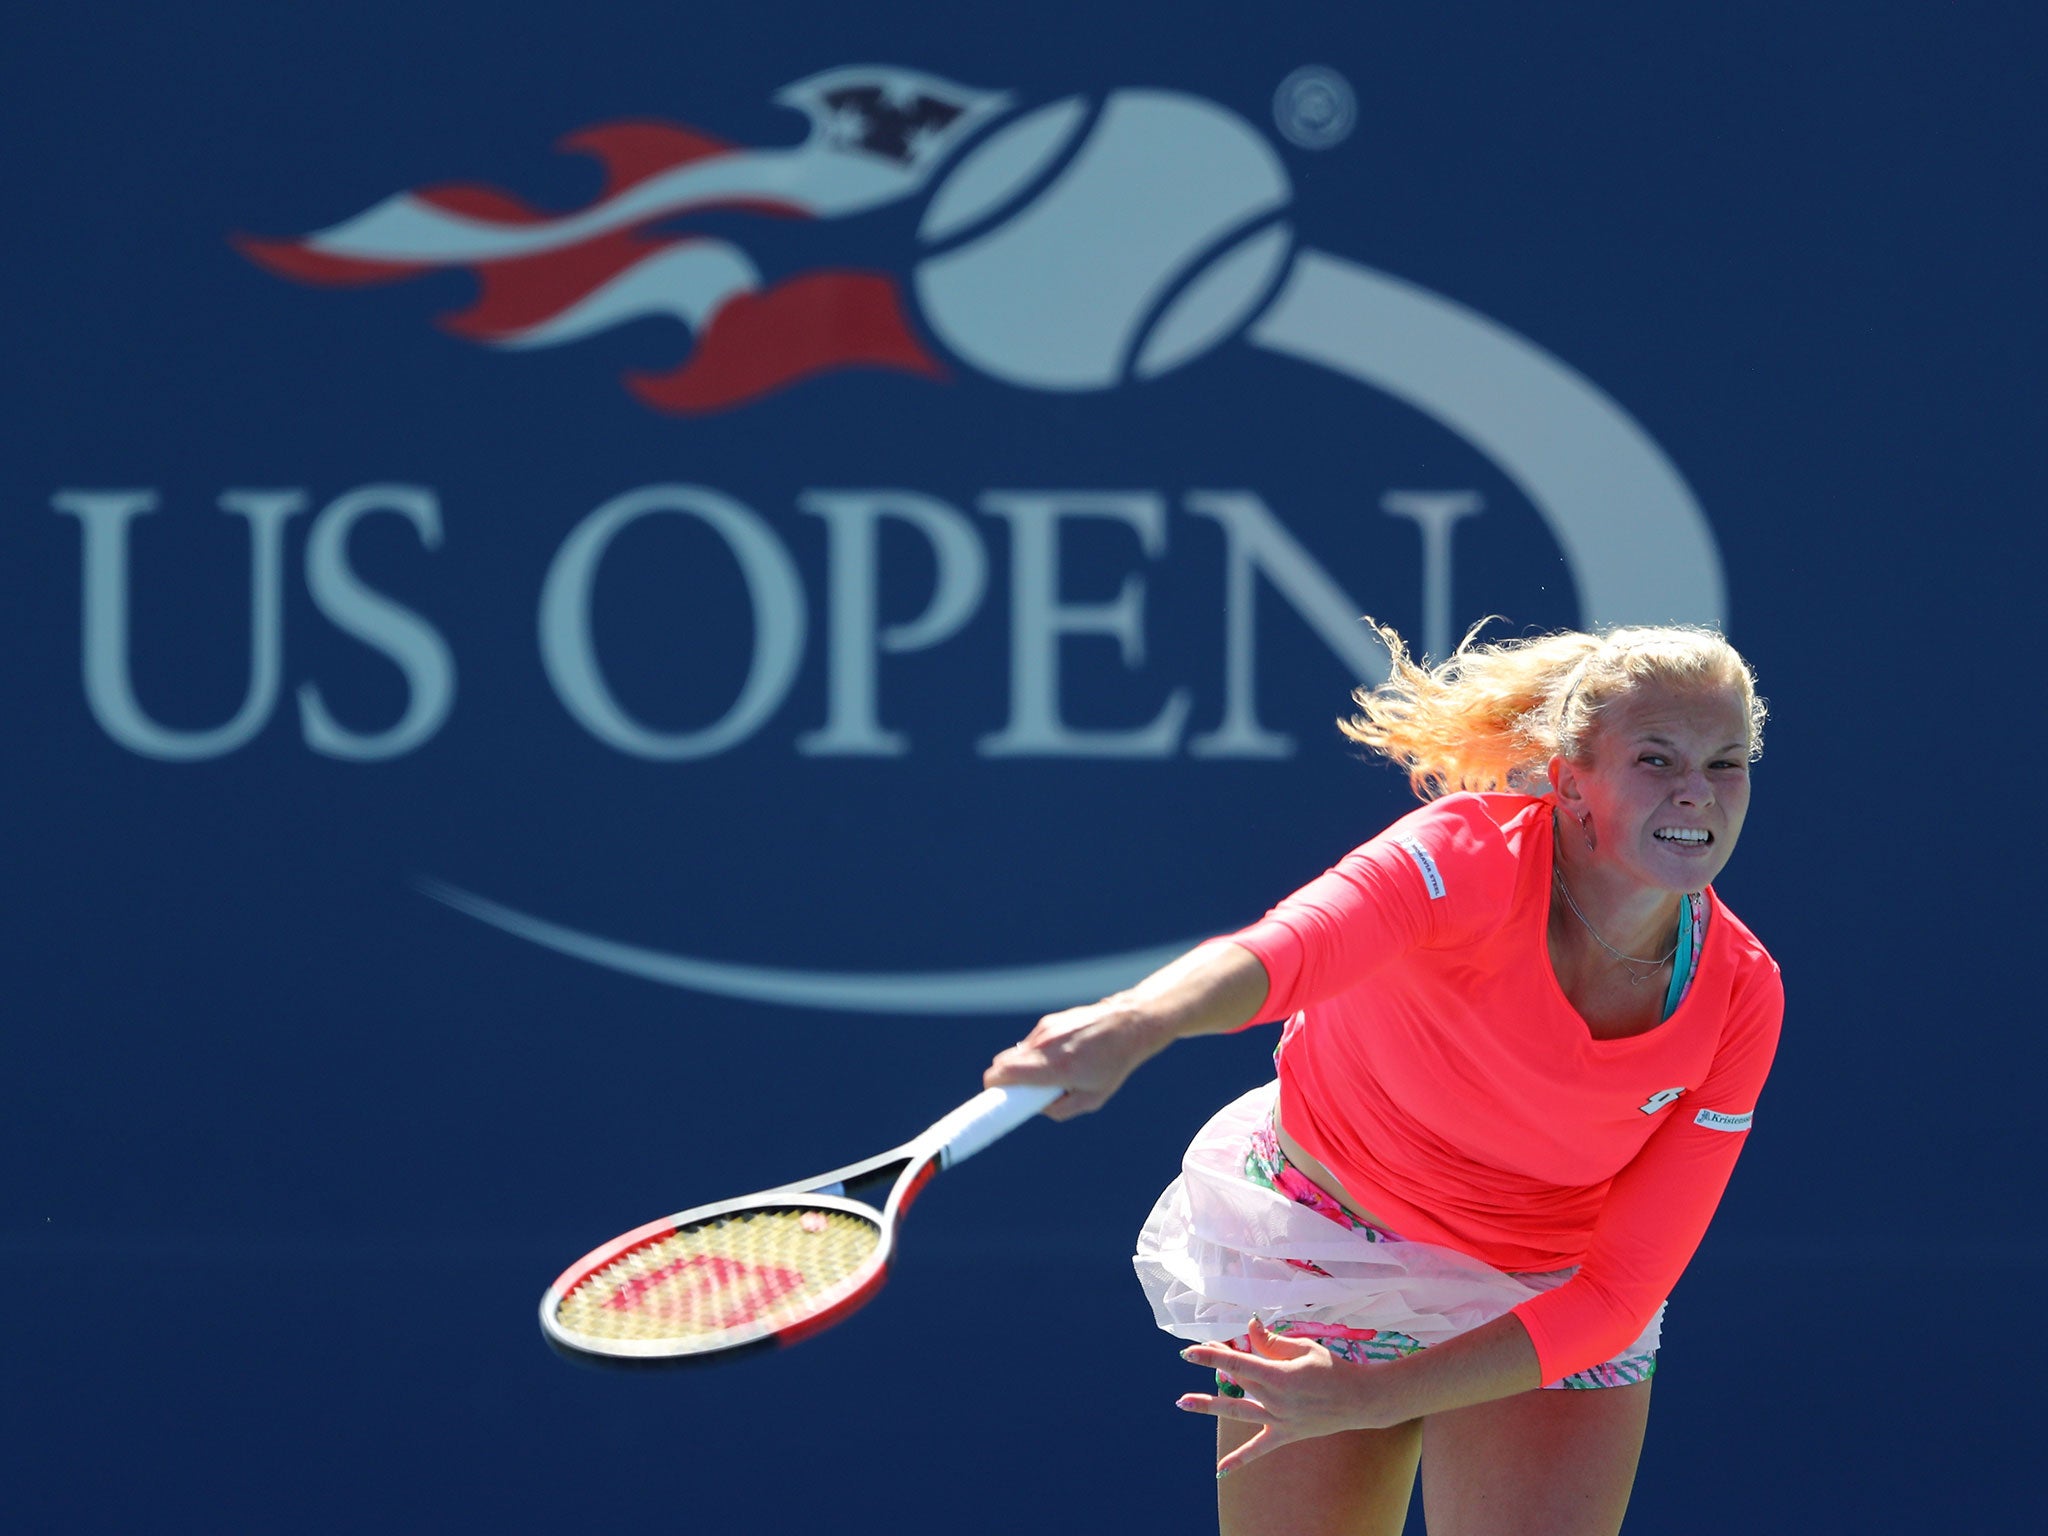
<point x="600" y="603"/>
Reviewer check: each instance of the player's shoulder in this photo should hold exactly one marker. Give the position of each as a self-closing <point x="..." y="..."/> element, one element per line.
<point x="1741" y="938"/>
<point x="1477" y="838"/>
<point x="1479" y="824"/>
<point x="1758" y="981"/>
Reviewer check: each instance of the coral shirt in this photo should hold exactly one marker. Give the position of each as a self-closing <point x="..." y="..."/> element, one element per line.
<point x="1435" y="1067"/>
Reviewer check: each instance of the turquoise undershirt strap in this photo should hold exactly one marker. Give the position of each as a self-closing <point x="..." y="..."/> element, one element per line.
<point x="1681" y="960"/>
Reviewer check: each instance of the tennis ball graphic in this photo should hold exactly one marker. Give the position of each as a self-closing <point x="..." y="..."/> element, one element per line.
<point x="1154" y="242"/>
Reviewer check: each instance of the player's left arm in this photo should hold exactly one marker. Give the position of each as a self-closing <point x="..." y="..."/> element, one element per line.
<point x="1659" y="1207"/>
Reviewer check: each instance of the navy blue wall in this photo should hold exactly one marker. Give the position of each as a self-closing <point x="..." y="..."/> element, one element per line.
<point x="1727" y="316"/>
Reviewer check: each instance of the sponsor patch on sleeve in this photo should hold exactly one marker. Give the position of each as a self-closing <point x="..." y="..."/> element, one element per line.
<point x="1714" y="1120"/>
<point x="1432" y="877"/>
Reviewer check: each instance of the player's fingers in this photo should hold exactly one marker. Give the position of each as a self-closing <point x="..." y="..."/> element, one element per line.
<point x="1221" y="1357"/>
<point x="1073" y="1102"/>
<point x="1218" y="1405"/>
<point x="1275" y="1346"/>
<point x="1019" y="1066"/>
<point x="1053" y="1026"/>
<point x="1267" y="1439"/>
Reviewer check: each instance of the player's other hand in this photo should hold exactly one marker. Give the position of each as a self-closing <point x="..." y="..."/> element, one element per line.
<point x="1088" y="1051"/>
<point x="1294" y="1389"/>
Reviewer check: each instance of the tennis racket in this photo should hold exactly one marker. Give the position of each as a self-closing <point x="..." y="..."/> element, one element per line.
<point x="764" y="1269"/>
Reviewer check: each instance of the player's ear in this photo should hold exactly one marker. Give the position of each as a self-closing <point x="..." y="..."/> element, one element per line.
<point x="1568" y="782"/>
<point x="1564" y="780"/>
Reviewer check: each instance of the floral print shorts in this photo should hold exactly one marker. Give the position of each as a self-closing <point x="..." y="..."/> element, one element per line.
<point x="1267" y="1165"/>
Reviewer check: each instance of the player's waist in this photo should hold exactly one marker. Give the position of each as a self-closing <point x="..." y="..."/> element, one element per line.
<point x="1513" y="1224"/>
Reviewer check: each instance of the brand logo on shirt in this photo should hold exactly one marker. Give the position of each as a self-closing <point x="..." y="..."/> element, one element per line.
<point x="1714" y="1120"/>
<point x="1432" y="877"/>
<point x="1658" y="1100"/>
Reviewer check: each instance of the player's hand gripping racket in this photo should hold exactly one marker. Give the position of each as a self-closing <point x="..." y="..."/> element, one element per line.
<point x="769" y="1268"/>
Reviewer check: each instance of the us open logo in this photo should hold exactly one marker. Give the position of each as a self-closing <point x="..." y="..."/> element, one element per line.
<point x="1075" y="248"/>
<point x="1072" y="247"/>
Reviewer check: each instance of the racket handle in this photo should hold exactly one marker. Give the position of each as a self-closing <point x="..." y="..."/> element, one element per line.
<point x="989" y="1116"/>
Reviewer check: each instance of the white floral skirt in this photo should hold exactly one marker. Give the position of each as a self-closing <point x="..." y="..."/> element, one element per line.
<point x="1242" y="1233"/>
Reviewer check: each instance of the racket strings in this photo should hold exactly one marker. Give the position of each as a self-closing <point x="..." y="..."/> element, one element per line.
<point x="756" y="1270"/>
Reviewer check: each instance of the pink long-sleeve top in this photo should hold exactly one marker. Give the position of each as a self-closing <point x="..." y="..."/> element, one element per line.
<point x="1433" y="1064"/>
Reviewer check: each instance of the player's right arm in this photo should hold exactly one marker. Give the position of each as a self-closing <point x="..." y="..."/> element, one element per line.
<point x="1436" y="876"/>
<point x="1089" y="1051"/>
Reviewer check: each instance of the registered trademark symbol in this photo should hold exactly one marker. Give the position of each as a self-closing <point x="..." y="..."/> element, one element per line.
<point x="1315" y="107"/>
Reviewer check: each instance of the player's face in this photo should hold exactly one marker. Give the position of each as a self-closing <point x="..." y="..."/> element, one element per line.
<point x="1668" y="784"/>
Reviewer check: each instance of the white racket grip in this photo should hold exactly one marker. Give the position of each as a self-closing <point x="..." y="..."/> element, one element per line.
<point x="989" y="1116"/>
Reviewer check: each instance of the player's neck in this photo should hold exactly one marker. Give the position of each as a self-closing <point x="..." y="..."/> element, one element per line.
<point x="1634" y="917"/>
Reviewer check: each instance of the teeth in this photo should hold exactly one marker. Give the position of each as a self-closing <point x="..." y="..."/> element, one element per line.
<point x="1685" y="835"/>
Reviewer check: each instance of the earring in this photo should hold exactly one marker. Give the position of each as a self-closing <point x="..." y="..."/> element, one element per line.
<point x="1586" y="831"/>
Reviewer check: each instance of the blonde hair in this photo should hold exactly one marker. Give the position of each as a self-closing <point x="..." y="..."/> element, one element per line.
<point x="1492" y="716"/>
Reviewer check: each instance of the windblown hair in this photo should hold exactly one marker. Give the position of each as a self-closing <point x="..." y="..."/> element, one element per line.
<point x="1492" y="716"/>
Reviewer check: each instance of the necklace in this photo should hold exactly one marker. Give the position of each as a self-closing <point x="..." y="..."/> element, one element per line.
<point x="1628" y="962"/>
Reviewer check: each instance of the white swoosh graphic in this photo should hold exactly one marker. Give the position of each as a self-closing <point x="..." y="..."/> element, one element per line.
<point x="1003" y="989"/>
<point x="1637" y="543"/>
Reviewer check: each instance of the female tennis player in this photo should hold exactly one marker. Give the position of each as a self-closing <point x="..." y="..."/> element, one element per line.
<point x="1523" y="1043"/>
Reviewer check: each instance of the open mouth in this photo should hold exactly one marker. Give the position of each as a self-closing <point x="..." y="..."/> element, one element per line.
<point x="1684" y="837"/>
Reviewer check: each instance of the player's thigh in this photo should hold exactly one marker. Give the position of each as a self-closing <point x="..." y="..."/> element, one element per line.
<point x="1353" y="1484"/>
<point x="1537" y="1464"/>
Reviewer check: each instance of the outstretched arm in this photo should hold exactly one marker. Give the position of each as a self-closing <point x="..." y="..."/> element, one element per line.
<point x="1089" y="1051"/>
<point x="1382" y="899"/>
